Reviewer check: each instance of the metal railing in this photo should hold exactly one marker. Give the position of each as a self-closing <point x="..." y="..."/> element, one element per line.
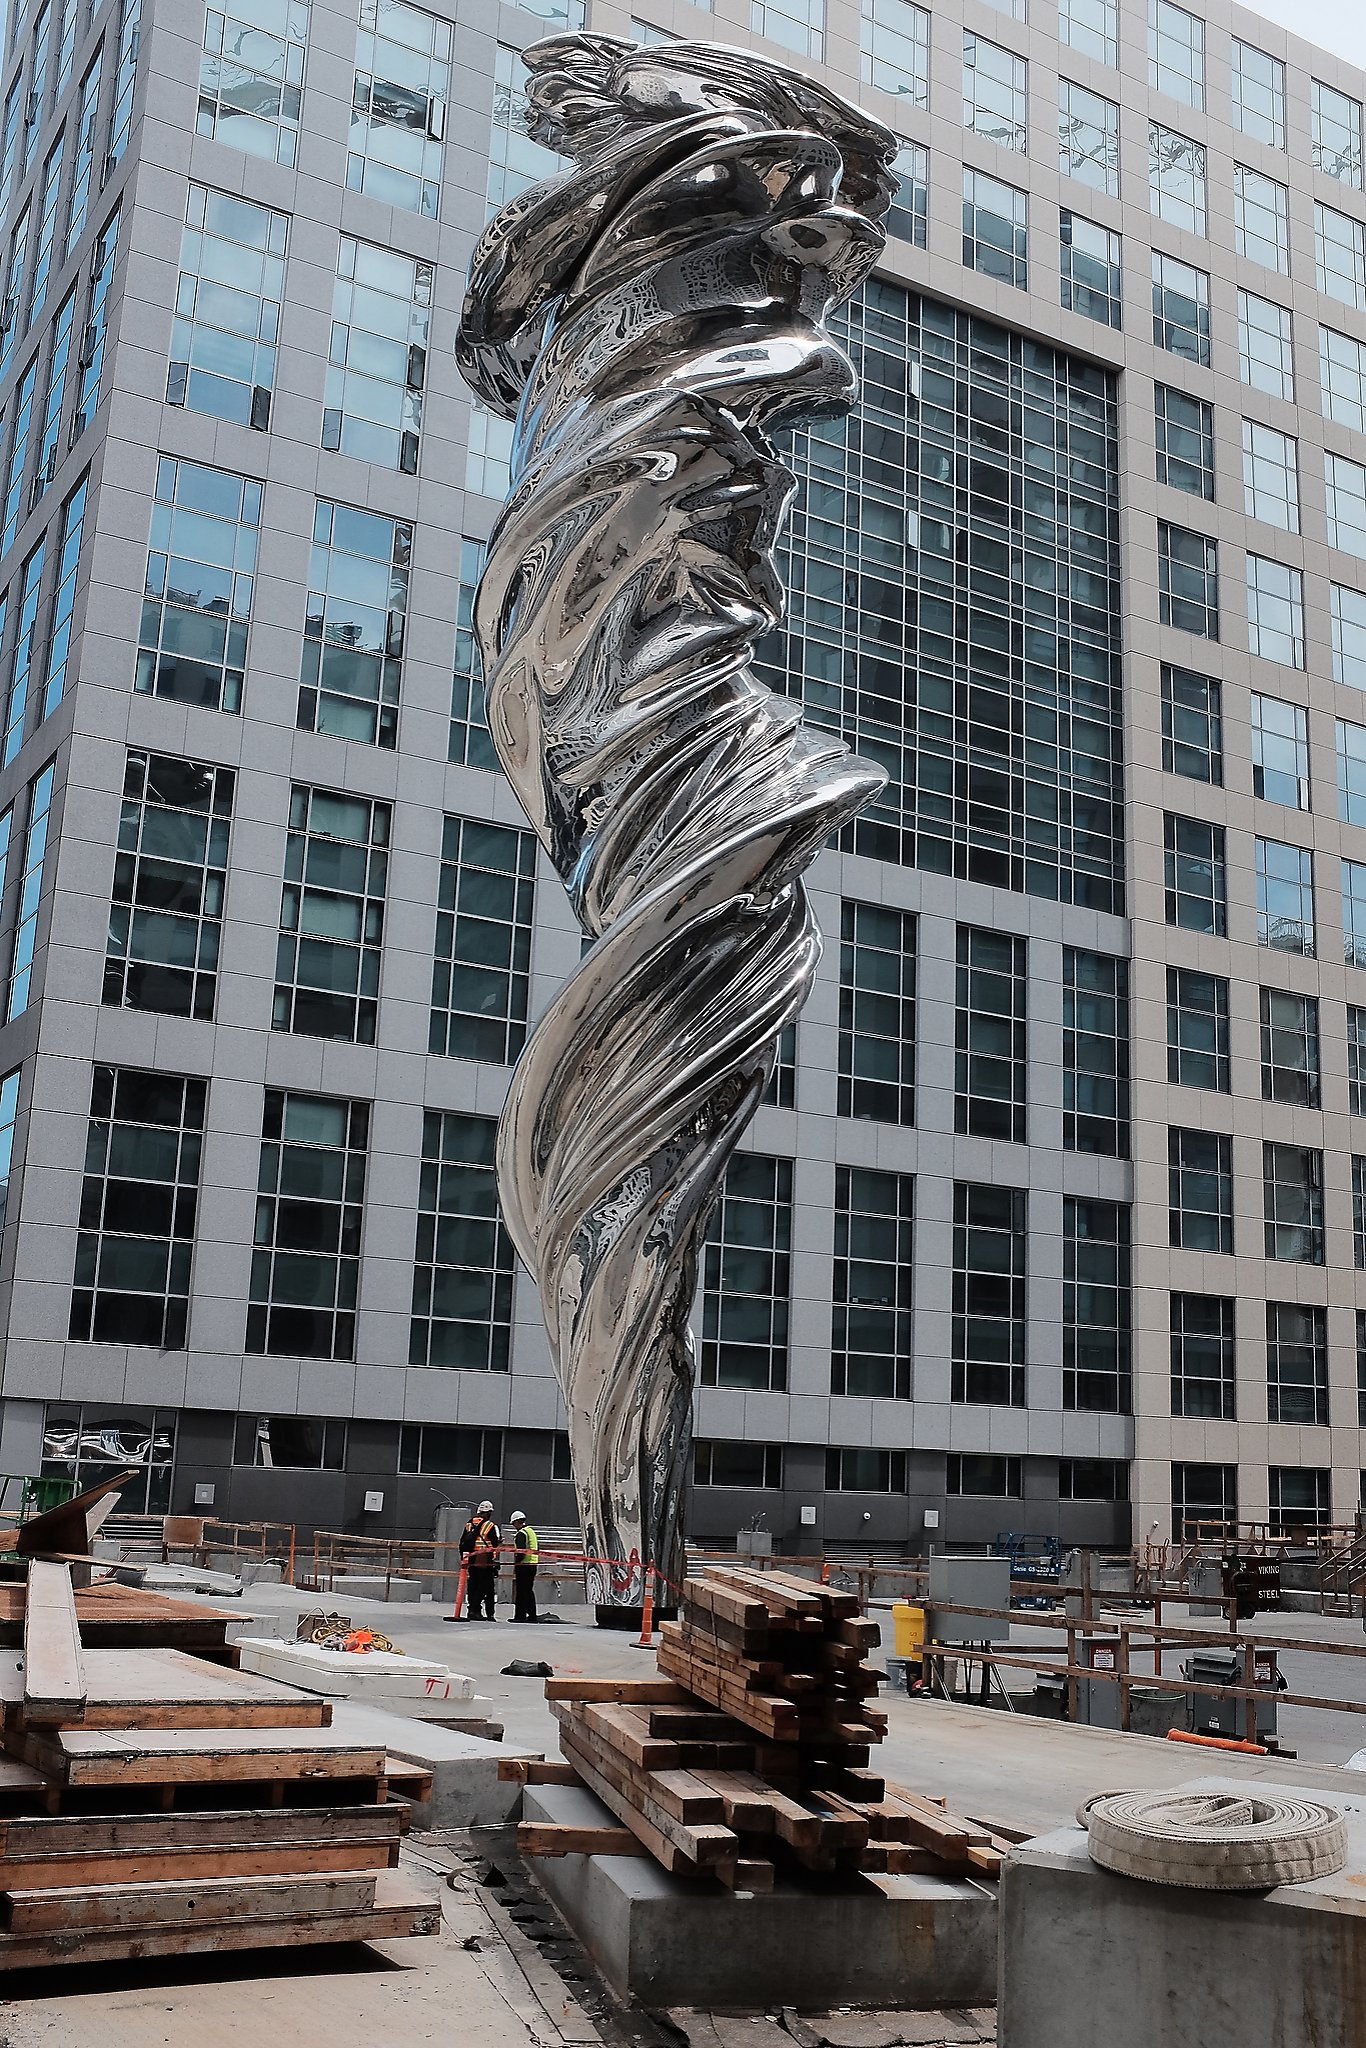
<point x="200" y="1537"/>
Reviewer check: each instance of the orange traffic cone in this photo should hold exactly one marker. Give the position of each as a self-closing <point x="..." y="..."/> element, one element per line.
<point x="825" y="1571"/>
<point x="647" y="1613"/>
<point x="460" y="1585"/>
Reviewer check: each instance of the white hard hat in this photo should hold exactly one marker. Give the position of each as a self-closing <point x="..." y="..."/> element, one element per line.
<point x="517" y="1516"/>
<point x="485" y="1507"/>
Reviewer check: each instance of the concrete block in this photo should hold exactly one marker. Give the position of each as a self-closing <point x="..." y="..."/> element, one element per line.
<point x="359" y="1587"/>
<point x="271" y="1626"/>
<point x="466" y="1789"/>
<point x="669" y="1940"/>
<point x="1087" y="1955"/>
<point x="360" y="1675"/>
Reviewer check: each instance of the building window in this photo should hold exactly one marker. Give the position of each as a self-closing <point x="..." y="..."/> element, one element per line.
<point x="940" y="665"/>
<point x="1180" y="309"/>
<point x="1197" y="894"/>
<point x="1092" y="278"/>
<point x="227" y="326"/>
<point x="1346" y="484"/>
<point x="1095" y="1053"/>
<point x="1301" y="1500"/>
<point x="974" y="1476"/>
<point x="1285" y="897"/>
<point x="355" y="624"/>
<point x="463" y="1266"/>
<point x="1200" y="1190"/>
<point x="909" y="213"/>
<point x="1091" y="26"/>
<point x="488" y="459"/>
<point x="58" y="363"/>
<point x="87" y="116"/>
<point x="1342" y="374"/>
<point x="30" y="584"/>
<point x="894" y="49"/>
<point x="757" y="1467"/>
<point x="781" y="1091"/>
<point x="201" y="567"/>
<point x="16" y="501"/>
<point x="747" y="1277"/>
<point x="1340" y="255"/>
<point x="37" y="97"/>
<point x="1092" y="1479"/>
<point x="1258" y="94"/>
<point x="1192" y="724"/>
<point x="377" y="369"/>
<point x="398" y="114"/>
<point x="1347" y="613"/>
<point x="31" y="878"/>
<point x="850" y="1470"/>
<point x="1336" y="133"/>
<point x="995" y="93"/>
<point x="138" y="1198"/>
<point x="870" y="1333"/>
<point x="305" y="1269"/>
<point x="877" y="1013"/>
<point x="989" y="1262"/>
<point x="1096" y="1373"/>
<point x="1361" y="1374"/>
<point x="1356" y="1060"/>
<point x="1266" y="359"/>
<point x="515" y="161"/>
<point x="1296" y="1363"/>
<point x="1271" y="488"/>
<point x="1088" y="137"/>
<point x="1280" y="752"/>
<point x="1261" y="219"/>
<point x="1290" y="1048"/>
<point x="1188" y="580"/>
<point x="463" y="1453"/>
<point x="96" y="327"/>
<point x="471" y="743"/>
<point x="9" y="1110"/>
<point x="290" y="1443"/>
<point x="170" y="873"/>
<point x="125" y="81"/>
<point x="1351" y="750"/>
<point x="1275" y="611"/>
<point x="1204" y="1502"/>
<point x="995" y="229"/>
<point x="1354" y="913"/>
<point x="1197" y="1030"/>
<point x="1176" y="52"/>
<point x="251" y="76"/>
<point x="1292" y="1188"/>
<point x="1204" y="1378"/>
<point x="47" y="230"/>
<point x="84" y="1445"/>
<point x="481" y="975"/>
<point x="64" y="599"/>
<point x="1358" y="1216"/>
<point x="332" y="915"/>
<point x="1184" y="429"/>
<point x="992" y="1052"/>
<point x="798" y="25"/>
<point x="648" y="36"/>
<point x="11" y="326"/>
<point x="1176" y="178"/>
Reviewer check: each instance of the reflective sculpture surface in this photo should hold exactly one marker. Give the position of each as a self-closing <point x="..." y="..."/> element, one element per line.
<point x="649" y="317"/>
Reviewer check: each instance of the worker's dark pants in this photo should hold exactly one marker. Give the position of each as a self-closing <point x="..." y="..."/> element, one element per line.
<point x="483" y="1581"/>
<point x="524" y="1592"/>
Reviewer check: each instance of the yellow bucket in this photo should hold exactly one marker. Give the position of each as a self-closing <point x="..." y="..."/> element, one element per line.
<point x="909" y="1626"/>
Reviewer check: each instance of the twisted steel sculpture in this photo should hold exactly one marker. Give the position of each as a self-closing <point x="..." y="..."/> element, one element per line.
<point x="650" y="317"/>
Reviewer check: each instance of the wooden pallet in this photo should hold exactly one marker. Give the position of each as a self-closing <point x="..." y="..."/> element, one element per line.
<point x="748" y="1755"/>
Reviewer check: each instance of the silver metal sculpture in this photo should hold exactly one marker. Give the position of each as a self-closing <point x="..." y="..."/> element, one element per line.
<point x="650" y="317"/>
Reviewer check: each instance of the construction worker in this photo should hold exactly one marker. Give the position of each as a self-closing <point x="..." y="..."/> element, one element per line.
<point x="525" y="1558"/>
<point x="479" y="1541"/>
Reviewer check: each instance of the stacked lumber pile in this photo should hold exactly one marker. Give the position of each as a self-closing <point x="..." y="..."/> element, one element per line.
<point x="749" y="1754"/>
<point x="155" y="1803"/>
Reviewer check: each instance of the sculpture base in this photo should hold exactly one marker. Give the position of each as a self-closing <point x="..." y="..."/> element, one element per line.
<point x="631" y="1617"/>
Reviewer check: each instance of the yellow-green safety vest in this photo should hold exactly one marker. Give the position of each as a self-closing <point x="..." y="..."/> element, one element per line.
<point x="530" y="1550"/>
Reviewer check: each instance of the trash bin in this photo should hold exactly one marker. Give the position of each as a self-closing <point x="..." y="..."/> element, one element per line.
<point x="908" y="1627"/>
<point x="1050" y="1696"/>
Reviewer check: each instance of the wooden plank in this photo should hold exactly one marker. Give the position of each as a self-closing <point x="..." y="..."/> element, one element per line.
<point x="652" y="1692"/>
<point x="709" y="1843"/>
<point x="746" y="1804"/>
<point x="766" y="1588"/>
<point x="242" y="1827"/>
<point x="214" y="1899"/>
<point x="412" y="1781"/>
<point x="400" y="1910"/>
<point x="165" y="1688"/>
<point x="54" y="1678"/>
<point x="530" y="1770"/>
<point x="106" y="1756"/>
<point x="244" y="1863"/>
<point x="747" y="1874"/>
<point x="551" y="1838"/>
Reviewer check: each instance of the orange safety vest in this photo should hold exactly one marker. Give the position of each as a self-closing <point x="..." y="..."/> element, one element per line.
<point x="485" y="1549"/>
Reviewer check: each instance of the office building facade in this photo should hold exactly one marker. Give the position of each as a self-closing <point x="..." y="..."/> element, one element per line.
<point x="1053" y="1218"/>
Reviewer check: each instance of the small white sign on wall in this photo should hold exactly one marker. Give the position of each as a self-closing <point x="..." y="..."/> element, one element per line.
<point x="808" y="1518"/>
<point x="931" y="1518"/>
<point x="374" y="1501"/>
<point x="203" y="1493"/>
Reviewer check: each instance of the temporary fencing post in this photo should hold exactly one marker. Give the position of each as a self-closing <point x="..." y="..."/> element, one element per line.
<point x="647" y="1613"/>
<point x="460" y="1585"/>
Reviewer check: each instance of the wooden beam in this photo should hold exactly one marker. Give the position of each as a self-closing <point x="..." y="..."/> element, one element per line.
<point x="632" y="1692"/>
<point x="534" y="1770"/>
<point x="551" y="1838"/>
<point x="54" y="1676"/>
